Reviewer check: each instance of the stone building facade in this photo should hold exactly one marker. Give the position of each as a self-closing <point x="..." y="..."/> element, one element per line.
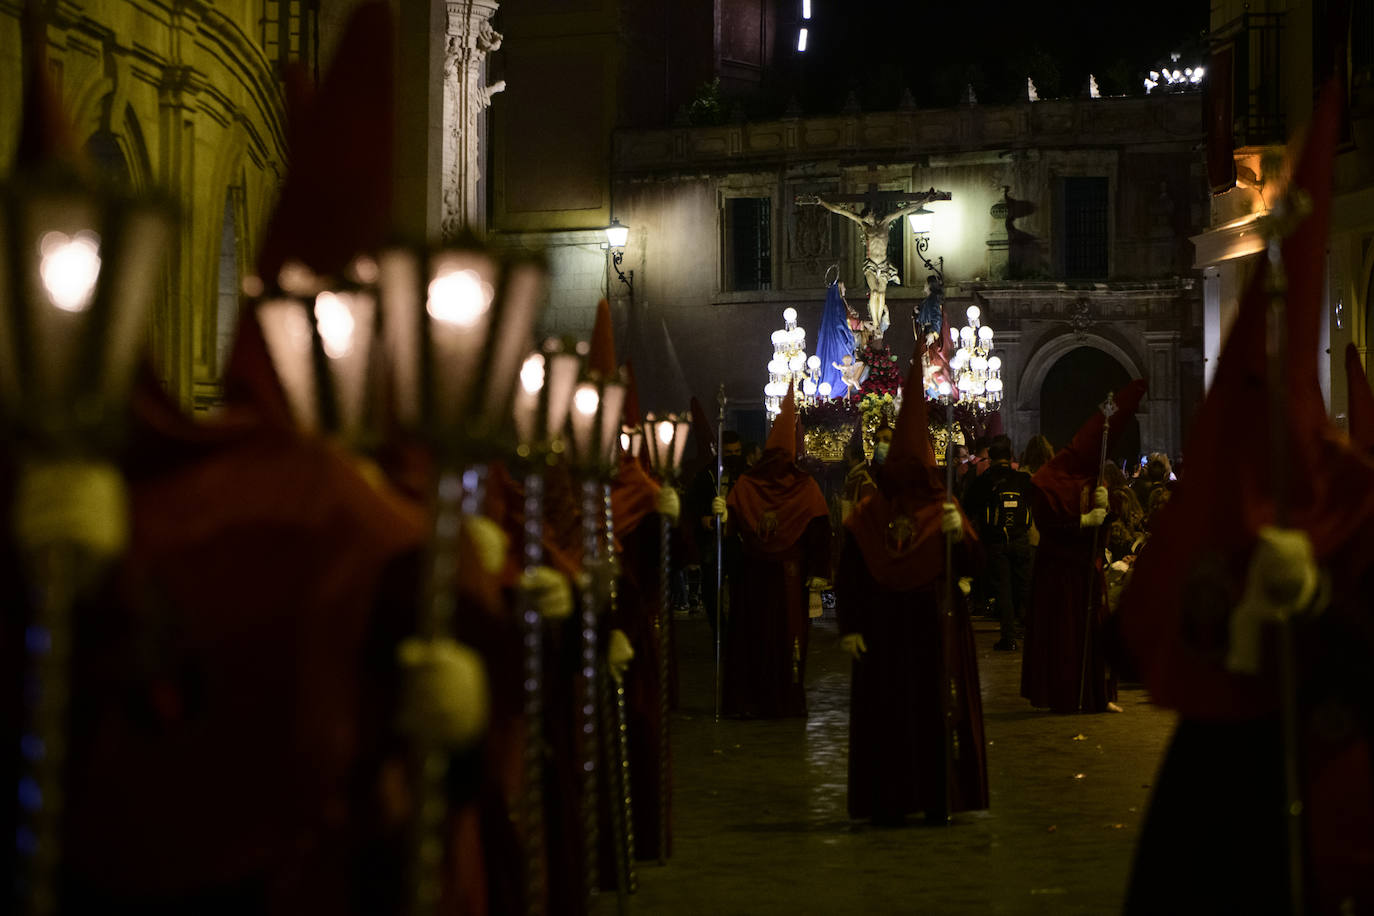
<point x="1268" y="62"/>
<point x="186" y="97"/>
<point x="1068" y="227"/>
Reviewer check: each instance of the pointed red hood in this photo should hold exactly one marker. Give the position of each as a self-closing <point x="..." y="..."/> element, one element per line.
<point x="336" y="201"/>
<point x="1078" y="465"/>
<point x="784" y="433"/>
<point x="1360" y="404"/>
<point x="601" y="356"/>
<point x="1174" y="618"/>
<point x="898" y="527"/>
<point x="775" y="500"/>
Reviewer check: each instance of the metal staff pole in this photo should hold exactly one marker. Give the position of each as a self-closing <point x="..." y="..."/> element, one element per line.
<point x="666" y="438"/>
<point x="532" y="637"/>
<point x="720" y="535"/>
<point x="587" y="686"/>
<point x="1108" y="409"/>
<point x="1276" y="352"/>
<point x="597" y="405"/>
<point x="940" y="809"/>
<point x="614" y="741"/>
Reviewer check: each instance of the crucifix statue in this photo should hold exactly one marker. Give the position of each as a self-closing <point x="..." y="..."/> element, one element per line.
<point x="875" y="211"/>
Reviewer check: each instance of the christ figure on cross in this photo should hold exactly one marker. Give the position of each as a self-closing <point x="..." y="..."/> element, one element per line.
<point x="875" y="212"/>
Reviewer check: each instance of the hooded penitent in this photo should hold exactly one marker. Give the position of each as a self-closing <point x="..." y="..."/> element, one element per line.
<point x="775" y="500"/>
<point x="634" y="494"/>
<point x="1062" y="479"/>
<point x="1175" y="615"/>
<point x="898" y="528"/>
<point x="336" y="201"/>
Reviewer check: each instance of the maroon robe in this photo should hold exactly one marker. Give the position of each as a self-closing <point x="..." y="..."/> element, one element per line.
<point x="895" y="728"/>
<point x="916" y="713"/>
<point x="783" y="523"/>
<point x="637" y="614"/>
<point x="233" y="681"/>
<point x="1068" y="604"/>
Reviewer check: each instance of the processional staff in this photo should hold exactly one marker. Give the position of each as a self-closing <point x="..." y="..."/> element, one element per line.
<point x="1108" y="409"/>
<point x="720" y="534"/>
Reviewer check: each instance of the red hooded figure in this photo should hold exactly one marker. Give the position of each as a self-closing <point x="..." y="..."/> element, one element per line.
<point x="1217" y="823"/>
<point x="233" y="680"/>
<point x="1068" y="604"/>
<point x="916" y="713"/>
<point x="783" y="522"/>
<point x="640" y="616"/>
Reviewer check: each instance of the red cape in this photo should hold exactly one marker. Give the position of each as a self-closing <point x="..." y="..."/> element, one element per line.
<point x="1062" y="479"/>
<point x="1175" y="616"/>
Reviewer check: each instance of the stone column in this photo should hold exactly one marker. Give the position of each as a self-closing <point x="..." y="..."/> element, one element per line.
<point x="470" y="38"/>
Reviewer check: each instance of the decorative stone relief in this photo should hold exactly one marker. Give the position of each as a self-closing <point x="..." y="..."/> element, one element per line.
<point x="467" y="95"/>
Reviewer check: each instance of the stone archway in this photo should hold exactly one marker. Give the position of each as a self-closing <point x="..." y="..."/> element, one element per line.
<point x="1072" y="390"/>
<point x="1053" y="350"/>
<point x="1043" y="361"/>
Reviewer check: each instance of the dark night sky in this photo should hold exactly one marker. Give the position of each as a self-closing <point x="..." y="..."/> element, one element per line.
<point x="876" y="47"/>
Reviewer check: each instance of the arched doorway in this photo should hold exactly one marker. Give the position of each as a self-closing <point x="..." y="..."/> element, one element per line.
<point x="1073" y="388"/>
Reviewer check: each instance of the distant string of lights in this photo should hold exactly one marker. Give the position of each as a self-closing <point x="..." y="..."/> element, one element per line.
<point x="1172" y="79"/>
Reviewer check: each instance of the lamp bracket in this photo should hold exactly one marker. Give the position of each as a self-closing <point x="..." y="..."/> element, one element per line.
<point x="626" y="277"/>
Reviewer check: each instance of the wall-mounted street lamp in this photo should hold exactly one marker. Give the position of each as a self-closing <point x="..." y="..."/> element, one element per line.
<point x="617" y="235"/>
<point x="922" y="223"/>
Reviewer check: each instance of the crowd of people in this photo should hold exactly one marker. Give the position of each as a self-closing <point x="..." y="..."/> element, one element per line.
<point x="258" y="668"/>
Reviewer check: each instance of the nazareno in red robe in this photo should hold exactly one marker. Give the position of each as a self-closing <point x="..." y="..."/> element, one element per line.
<point x="1216" y="823"/>
<point x="915" y="695"/>
<point x="783" y="522"/>
<point x="1068" y="588"/>
<point x="637" y="614"/>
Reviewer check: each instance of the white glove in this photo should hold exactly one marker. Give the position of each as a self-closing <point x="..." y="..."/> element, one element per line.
<point x="444" y="695"/>
<point x="1101" y="499"/>
<point x="668" y="505"/>
<point x="718" y="508"/>
<point x="951" y="522"/>
<point x="1282" y="579"/>
<point x="73" y="502"/>
<point x="966" y="585"/>
<point x="1093" y="519"/>
<point x="550" y="591"/>
<point x="490" y="541"/>
<point x="853" y="643"/>
<point x="619" y="654"/>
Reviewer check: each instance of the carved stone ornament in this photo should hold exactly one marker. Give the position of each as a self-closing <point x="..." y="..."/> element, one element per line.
<point x="466" y="96"/>
<point x="1080" y="318"/>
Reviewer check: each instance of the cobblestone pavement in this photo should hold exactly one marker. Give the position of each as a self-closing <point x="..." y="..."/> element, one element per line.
<point x="759" y="809"/>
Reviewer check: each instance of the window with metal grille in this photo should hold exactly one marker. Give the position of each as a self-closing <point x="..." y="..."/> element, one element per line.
<point x="1084" y="227"/>
<point x="748" y="243"/>
<point x="289" y="30"/>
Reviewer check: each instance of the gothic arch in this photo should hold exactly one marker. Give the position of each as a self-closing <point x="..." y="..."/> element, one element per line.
<point x="1040" y="362"/>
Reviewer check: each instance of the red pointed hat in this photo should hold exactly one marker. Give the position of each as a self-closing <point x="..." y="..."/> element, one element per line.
<point x="784" y="433"/>
<point x="1172" y="622"/>
<point x="775" y="500"/>
<point x="898" y="527"/>
<point x="634" y="494"/>
<point x="911" y="437"/>
<point x="601" y="356"/>
<point x="1360" y="404"/>
<point x="336" y="201"/>
<point x="633" y="417"/>
<point x="1075" y="466"/>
